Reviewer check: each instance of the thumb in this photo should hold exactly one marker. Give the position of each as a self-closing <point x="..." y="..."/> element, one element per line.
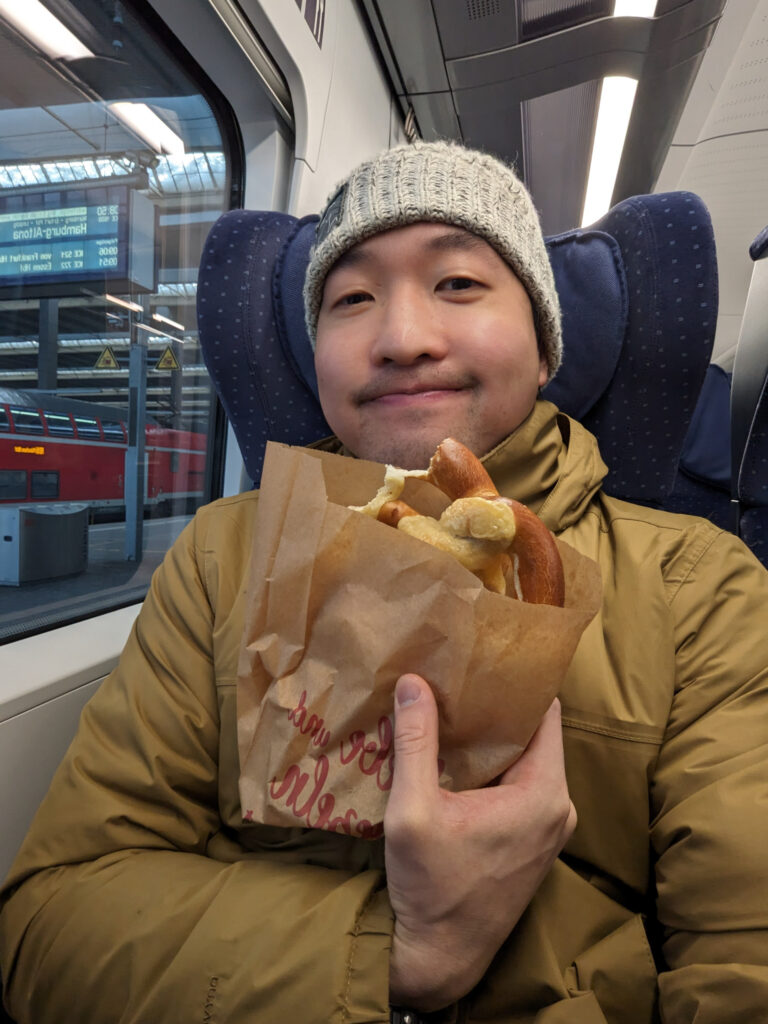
<point x="416" y="737"/>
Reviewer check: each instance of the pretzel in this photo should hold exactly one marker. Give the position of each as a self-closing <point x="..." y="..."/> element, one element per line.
<point x="500" y="540"/>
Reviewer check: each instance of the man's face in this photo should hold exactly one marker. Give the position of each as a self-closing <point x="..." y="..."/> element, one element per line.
<point x="425" y="333"/>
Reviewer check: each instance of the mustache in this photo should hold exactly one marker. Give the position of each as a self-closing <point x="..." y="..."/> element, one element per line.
<point x="408" y="382"/>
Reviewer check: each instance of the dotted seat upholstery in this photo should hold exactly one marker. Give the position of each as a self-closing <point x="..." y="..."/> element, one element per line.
<point x="638" y="292"/>
<point x="703" y="483"/>
<point x="752" y="485"/>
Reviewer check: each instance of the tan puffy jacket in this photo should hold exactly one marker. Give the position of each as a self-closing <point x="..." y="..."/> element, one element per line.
<point x="139" y="895"/>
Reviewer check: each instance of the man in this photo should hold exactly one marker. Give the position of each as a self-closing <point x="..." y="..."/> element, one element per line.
<point x="141" y="895"/>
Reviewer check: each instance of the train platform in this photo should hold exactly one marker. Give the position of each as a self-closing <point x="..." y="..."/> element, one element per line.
<point x="108" y="581"/>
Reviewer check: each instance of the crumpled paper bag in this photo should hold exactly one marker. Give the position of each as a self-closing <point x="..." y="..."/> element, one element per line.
<point x="339" y="607"/>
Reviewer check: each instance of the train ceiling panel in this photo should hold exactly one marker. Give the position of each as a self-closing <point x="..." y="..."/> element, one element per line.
<point x="521" y="78"/>
<point x="38" y="83"/>
<point x="557" y="131"/>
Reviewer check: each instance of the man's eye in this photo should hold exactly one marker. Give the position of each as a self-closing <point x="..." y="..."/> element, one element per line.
<point x="354" y="299"/>
<point x="457" y="284"/>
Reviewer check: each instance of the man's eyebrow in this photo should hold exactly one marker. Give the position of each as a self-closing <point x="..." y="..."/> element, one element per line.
<point x="353" y="257"/>
<point x="455" y="238"/>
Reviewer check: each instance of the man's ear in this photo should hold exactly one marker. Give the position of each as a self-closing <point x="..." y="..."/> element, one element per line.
<point x="543" y="372"/>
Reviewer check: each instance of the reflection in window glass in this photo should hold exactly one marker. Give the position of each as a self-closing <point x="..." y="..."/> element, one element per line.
<point x="26" y="421"/>
<point x="13" y="485"/>
<point x="113" y="431"/>
<point x="113" y="169"/>
<point x="59" y="424"/>
<point x="87" y="428"/>
<point x="45" y="485"/>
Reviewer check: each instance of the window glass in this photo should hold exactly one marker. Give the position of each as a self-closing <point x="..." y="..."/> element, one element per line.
<point x="45" y="484"/>
<point x="27" y="421"/>
<point x="114" y="165"/>
<point x="13" y="485"/>
<point x="87" y="428"/>
<point x="113" y="431"/>
<point x="59" y="424"/>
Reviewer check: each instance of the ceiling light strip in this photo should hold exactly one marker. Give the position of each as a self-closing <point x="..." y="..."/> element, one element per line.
<point x="151" y="129"/>
<point x="617" y="97"/>
<point x="36" y="23"/>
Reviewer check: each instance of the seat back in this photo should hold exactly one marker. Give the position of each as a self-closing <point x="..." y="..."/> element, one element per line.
<point x="749" y="409"/>
<point x="724" y="465"/>
<point x="638" y="292"/>
<point x="703" y="483"/>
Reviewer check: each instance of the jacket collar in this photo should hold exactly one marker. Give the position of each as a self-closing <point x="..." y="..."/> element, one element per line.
<point x="549" y="463"/>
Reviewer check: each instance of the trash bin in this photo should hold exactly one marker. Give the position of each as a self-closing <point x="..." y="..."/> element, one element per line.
<point x="42" y="542"/>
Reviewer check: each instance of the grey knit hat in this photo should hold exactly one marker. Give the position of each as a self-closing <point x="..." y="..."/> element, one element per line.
<point x="449" y="184"/>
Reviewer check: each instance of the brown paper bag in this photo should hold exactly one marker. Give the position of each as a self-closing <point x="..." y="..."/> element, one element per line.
<point x="339" y="607"/>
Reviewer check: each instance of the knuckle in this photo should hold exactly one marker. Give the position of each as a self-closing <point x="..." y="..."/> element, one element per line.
<point x="410" y="738"/>
<point x="564" y="806"/>
<point x="561" y="814"/>
<point x="571" y="821"/>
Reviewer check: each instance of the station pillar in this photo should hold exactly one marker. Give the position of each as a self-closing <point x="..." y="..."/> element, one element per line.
<point x="135" y="456"/>
<point x="48" y="344"/>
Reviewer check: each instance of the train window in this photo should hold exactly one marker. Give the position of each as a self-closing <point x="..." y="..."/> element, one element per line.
<point x="117" y="154"/>
<point x="13" y="485"/>
<point x="87" y="427"/>
<point x="45" y="485"/>
<point x="27" y="421"/>
<point x="59" y="425"/>
<point x="113" y="430"/>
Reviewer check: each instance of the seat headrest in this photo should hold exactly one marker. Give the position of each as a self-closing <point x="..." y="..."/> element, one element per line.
<point x="590" y="280"/>
<point x="625" y="289"/>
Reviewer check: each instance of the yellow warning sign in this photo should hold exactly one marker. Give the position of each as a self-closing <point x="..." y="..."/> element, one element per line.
<point x="167" y="360"/>
<point x="107" y="360"/>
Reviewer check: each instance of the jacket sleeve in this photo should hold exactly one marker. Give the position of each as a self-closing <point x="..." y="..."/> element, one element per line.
<point x="709" y="794"/>
<point x="116" y="911"/>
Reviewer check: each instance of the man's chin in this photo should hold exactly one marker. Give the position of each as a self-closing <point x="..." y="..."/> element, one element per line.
<point x="409" y="451"/>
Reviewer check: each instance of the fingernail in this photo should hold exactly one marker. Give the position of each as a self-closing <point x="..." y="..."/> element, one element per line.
<point x="407" y="691"/>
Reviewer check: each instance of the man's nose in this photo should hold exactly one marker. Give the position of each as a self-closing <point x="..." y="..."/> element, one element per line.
<point x="408" y="328"/>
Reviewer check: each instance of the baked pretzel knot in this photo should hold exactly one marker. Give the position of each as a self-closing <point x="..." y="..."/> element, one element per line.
<point x="500" y="540"/>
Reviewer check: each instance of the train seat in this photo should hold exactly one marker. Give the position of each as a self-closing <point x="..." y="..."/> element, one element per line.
<point x="753" y="486"/>
<point x="638" y="291"/>
<point x="724" y="465"/>
<point x="703" y="483"/>
<point x="749" y="409"/>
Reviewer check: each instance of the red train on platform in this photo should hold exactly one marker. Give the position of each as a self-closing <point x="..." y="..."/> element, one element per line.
<point x="58" y="449"/>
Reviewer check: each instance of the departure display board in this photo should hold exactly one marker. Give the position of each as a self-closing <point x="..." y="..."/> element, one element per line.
<point x="56" y="241"/>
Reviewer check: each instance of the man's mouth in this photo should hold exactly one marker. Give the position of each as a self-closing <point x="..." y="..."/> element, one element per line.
<point x="408" y="393"/>
<point x="416" y="397"/>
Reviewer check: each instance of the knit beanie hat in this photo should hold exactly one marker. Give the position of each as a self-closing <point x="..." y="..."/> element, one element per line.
<point x="440" y="182"/>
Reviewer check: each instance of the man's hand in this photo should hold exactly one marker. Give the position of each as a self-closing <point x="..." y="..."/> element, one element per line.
<point x="462" y="867"/>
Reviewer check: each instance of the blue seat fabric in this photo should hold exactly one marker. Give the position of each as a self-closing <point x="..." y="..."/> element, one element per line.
<point x="241" y="318"/>
<point x="703" y="482"/>
<point x="753" y="483"/>
<point x="638" y="292"/>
